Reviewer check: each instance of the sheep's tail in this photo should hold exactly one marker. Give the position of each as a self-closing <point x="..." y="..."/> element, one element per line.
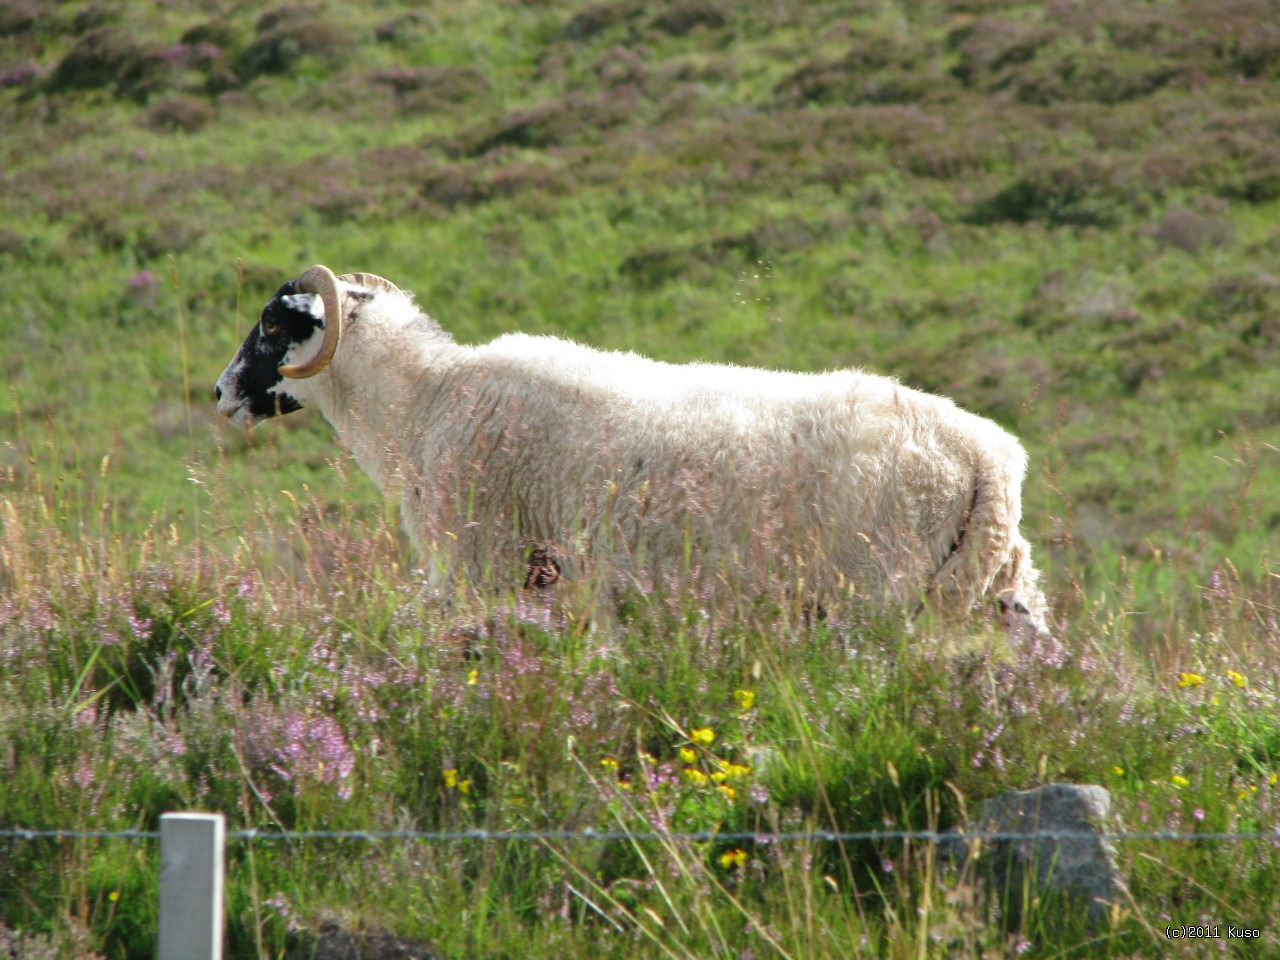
<point x="990" y="556"/>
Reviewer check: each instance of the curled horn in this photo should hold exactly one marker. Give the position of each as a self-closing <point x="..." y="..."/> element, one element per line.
<point x="320" y="281"/>
<point x="370" y="281"/>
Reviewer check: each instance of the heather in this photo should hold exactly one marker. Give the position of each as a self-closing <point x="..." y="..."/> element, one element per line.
<point x="1061" y="215"/>
<point x="345" y="694"/>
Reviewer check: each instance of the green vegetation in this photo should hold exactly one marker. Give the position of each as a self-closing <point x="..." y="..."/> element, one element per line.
<point x="1064" y="216"/>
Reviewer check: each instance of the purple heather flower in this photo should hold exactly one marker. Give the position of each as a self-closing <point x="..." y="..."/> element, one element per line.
<point x="21" y="75"/>
<point x="85" y="773"/>
<point x="143" y="287"/>
<point x="315" y="748"/>
<point x="140" y="626"/>
<point x="144" y="281"/>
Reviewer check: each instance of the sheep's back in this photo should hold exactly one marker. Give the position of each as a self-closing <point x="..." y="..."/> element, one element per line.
<point x="847" y="466"/>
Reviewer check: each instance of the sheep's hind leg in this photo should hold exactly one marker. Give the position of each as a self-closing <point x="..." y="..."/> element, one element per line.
<point x="543" y="570"/>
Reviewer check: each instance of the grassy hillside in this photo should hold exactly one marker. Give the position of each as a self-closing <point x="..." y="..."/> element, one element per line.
<point x="1062" y="215"/>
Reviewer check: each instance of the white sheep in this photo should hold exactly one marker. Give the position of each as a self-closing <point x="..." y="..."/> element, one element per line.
<point x="538" y="447"/>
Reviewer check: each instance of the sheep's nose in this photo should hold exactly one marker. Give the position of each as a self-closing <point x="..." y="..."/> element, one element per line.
<point x="217" y="392"/>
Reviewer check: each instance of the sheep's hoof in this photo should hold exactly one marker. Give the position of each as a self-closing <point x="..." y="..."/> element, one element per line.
<point x="543" y="570"/>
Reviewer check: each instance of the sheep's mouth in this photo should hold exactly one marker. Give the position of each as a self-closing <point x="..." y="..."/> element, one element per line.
<point x="237" y="414"/>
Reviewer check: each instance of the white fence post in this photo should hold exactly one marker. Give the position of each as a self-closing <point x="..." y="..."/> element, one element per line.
<point x="191" y="857"/>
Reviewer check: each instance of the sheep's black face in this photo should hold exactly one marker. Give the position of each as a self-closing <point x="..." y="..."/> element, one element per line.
<point x="251" y="389"/>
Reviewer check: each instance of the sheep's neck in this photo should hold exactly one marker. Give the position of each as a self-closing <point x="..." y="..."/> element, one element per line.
<point x="374" y="402"/>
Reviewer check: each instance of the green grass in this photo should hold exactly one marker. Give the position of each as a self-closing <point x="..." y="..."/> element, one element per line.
<point x="1064" y="218"/>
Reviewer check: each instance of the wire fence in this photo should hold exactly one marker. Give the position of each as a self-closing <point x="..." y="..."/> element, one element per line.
<point x="192" y="856"/>
<point x="695" y="836"/>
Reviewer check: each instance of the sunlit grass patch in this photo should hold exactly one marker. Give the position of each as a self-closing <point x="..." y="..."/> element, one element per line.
<point x="1065" y="219"/>
<point x="303" y="676"/>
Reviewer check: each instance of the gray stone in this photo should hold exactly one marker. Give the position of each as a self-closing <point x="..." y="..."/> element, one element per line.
<point x="334" y="940"/>
<point x="1068" y="854"/>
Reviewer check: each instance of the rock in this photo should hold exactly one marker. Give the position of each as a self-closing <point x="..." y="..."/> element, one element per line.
<point x="1070" y="857"/>
<point x="333" y="940"/>
<point x="17" y="945"/>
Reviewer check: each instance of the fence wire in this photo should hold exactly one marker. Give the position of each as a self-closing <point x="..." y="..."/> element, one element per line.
<point x="696" y="836"/>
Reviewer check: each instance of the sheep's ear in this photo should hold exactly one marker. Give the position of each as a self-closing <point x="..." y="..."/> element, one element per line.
<point x="307" y="303"/>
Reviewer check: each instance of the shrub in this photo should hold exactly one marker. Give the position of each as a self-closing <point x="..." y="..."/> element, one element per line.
<point x="512" y="179"/>
<point x="598" y="18"/>
<point x="93" y="16"/>
<point x="14" y="244"/>
<point x="221" y="33"/>
<point x="1247" y="304"/>
<point x="876" y="69"/>
<point x="1189" y="231"/>
<point x="287" y="33"/>
<point x="1261" y="181"/>
<point x="622" y="65"/>
<point x="988" y="45"/>
<point x="685" y="16"/>
<point x="110" y="58"/>
<point x="1253" y="47"/>
<point x="179" y="113"/>
<point x="182" y="66"/>
<point x="554" y="123"/>
<point x="454" y="185"/>
<point x="282" y="15"/>
<point x="431" y="89"/>
<point x="655" y="266"/>
<point x="1083" y="193"/>
<point x="1102" y="76"/>
<point x="402" y="28"/>
<point x="97" y="60"/>
<point x="19" y="16"/>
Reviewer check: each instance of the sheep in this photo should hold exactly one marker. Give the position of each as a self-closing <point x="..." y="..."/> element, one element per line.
<point x="538" y="451"/>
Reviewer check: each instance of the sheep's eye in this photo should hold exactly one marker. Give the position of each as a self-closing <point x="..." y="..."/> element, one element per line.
<point x="270" y="329"/>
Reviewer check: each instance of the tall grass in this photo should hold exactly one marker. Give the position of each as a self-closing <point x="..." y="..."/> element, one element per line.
<point x="1063" y="217"/>
<point x="299" y="673"/>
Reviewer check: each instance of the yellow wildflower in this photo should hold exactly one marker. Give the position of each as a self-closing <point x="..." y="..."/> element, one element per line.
<point x="609" y="763"/>
<point x="113" y="896"/>
<point x="464" y="785"/>
<point x="450" y="778"/>
<point x="688" y="754"/>
<point x="473" y="677"/>
<point x="727" y="791"/>
<point x="746" y="698"/>
<point x="1237" y="678"/>
<point x="695" y="776"/>
<point x="1190" y="680"/>
<point x="719" y="776"/>
<point x="733" y="858"/>
<point x="703" y="736"/>
<point x="1117" y="771"/>
<point x="1272" y="779"/>
<point x="1179" y="782"/>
